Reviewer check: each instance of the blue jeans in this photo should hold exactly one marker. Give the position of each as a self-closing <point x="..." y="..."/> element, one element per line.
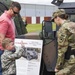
<point x="1" y="52"/>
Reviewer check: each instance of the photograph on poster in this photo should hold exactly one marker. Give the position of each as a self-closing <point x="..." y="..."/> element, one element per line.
<point x="30" y="53"/>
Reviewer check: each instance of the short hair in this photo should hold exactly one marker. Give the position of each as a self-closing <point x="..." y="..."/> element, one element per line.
<point x="15" y="4"/>
<point x="5" y="42"/>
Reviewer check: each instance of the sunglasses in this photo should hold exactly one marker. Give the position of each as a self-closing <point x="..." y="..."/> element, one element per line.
<point x="15" y="12"/>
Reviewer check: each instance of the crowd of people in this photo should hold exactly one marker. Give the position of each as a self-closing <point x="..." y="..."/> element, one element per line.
<point x="65" y="39"/>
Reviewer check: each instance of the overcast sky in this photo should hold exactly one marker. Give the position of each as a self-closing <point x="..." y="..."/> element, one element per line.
<point x="45" y="0"/>
<point x="40" y="1"/>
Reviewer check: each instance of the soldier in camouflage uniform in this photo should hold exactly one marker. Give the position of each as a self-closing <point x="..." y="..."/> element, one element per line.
<point x="66" y="44"/>
<point x="8" y="57"/>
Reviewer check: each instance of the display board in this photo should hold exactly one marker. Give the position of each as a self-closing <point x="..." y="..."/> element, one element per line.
<point x="30" y="63"/>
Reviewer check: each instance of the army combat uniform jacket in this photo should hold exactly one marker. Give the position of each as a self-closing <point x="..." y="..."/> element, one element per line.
<point x="8" y="61"/>
<point x="66" y="37"/>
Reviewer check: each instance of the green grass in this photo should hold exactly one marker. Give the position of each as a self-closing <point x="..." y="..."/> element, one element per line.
<point x="34" y="27"/>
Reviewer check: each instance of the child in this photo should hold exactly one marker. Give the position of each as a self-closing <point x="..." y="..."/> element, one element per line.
<point x="8" y="57"/>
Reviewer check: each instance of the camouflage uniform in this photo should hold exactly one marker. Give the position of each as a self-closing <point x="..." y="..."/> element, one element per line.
<point x="66" y="39"/>
<point x="8" y="62"/>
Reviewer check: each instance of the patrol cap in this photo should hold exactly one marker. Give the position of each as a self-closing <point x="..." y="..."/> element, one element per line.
<point x="58" y="13"/>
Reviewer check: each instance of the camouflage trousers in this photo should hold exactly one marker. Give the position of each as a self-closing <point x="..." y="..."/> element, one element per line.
<point x="68" y="68"/>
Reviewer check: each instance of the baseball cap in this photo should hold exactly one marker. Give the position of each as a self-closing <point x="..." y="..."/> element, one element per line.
<point x="58" y="13"/>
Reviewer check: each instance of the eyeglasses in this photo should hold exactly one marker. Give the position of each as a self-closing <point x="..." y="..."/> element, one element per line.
<point x="15" y="12"/>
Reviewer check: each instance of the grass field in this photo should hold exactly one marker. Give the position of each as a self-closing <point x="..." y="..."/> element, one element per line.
<point x="34" y="27"/>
